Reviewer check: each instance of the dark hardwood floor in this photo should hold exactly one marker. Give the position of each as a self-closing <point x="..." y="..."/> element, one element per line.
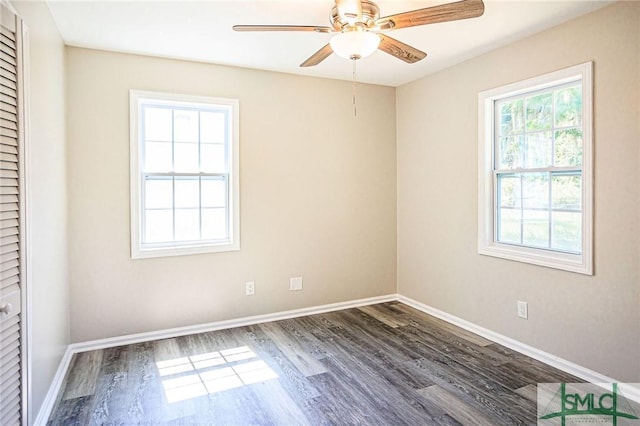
<point x="386" y="364"/>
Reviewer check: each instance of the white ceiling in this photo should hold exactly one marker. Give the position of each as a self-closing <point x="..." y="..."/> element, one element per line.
<point x="201" y="31"/>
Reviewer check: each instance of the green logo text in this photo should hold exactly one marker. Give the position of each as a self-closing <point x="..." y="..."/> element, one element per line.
<point x="589" y="404"/>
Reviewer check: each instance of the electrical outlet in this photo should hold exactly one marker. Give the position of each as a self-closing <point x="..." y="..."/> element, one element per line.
<point x="295" y="284"/>
<point x="250" y="288"/>
<point x="523" y="309"/>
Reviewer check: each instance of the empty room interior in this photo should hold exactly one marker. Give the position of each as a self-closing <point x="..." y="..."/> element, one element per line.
<point x="423" y="222"/>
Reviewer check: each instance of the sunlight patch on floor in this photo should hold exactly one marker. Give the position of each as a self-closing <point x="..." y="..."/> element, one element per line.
<point x="212" y="372"/>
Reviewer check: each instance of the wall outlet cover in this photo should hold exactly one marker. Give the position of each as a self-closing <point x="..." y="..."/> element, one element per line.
<point x="249" y="288"/>
<point x="523" y="309"/>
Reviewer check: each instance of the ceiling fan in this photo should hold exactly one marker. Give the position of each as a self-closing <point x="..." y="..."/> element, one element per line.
<point x="359" y="28"/>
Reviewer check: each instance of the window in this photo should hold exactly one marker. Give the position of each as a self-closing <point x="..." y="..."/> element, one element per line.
<point x="535" y="171"/>
<point x="184" y="174"/>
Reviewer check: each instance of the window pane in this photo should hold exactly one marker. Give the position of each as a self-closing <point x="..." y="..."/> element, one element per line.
<point x="566" y="232"/>
<point x="158" y="193"/>
<point x="214" y="192"/>
<point x="511" y="117"/>
<point x="510" y="152"/>
<point x="509" y="226"/>
<point x="538" y="150"/>
<point x="158" y="226"/>
<point x="535" y="228"/>
<point x="213" y="158"/>
<point x="566" y="192"/>
<point x="187" y="192"/>
<point x="568" y="107"/>
<point x="212" y="127"/>
<point x="509" y="190"/>
<point x="157" y="124"/>
<point x="186" y="157"/>
<point x="157" y="156"/>
<point x="539" y="112"/>
<point x="187" y="224"/>
<point x="185" y="125"/>
<point x="214" y="224"/>
<point x="535" y="190"/>
<point x="568" y="147"/>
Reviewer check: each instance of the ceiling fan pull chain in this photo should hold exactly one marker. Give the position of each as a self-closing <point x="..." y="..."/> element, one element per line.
<point x="353" y="85"/>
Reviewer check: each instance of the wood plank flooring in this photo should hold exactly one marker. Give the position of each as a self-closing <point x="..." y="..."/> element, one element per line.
<point x="385" y="364"/>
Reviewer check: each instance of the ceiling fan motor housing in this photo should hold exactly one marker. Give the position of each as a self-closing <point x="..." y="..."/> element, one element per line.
<point x="370" y="14"/>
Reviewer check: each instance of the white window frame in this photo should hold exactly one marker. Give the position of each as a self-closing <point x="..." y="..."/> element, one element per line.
<point x="487" y="215"/>
<point x="140" y="250"/>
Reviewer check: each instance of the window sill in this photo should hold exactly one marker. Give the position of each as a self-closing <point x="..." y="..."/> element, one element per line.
<point x="551" y="259"/>
<point x="167" y="251"/>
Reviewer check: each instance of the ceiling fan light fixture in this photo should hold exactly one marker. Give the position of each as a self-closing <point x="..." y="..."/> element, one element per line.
<point x="354" y="44"/>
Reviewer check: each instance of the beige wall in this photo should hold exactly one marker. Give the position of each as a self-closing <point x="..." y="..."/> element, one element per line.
<point x="48" y="282"/>
<point x="592" y="321"/>
<point x="318" y="197"/>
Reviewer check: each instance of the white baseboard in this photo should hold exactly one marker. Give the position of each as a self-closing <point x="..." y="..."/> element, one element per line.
<point x="222" y="325"/>
<point x="54" y="389"/>
<point x="628" y="390"/>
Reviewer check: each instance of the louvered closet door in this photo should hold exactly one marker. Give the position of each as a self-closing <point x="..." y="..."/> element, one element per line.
<point x="11" y="358"/>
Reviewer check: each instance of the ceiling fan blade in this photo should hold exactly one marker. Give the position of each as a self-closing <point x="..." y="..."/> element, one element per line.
<point x="463" y="9"/>
<point x="309" y="28"/>
<point x="350" y="9"/>
<point x="400" y="50"/>
<point x="318" y="57"/>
